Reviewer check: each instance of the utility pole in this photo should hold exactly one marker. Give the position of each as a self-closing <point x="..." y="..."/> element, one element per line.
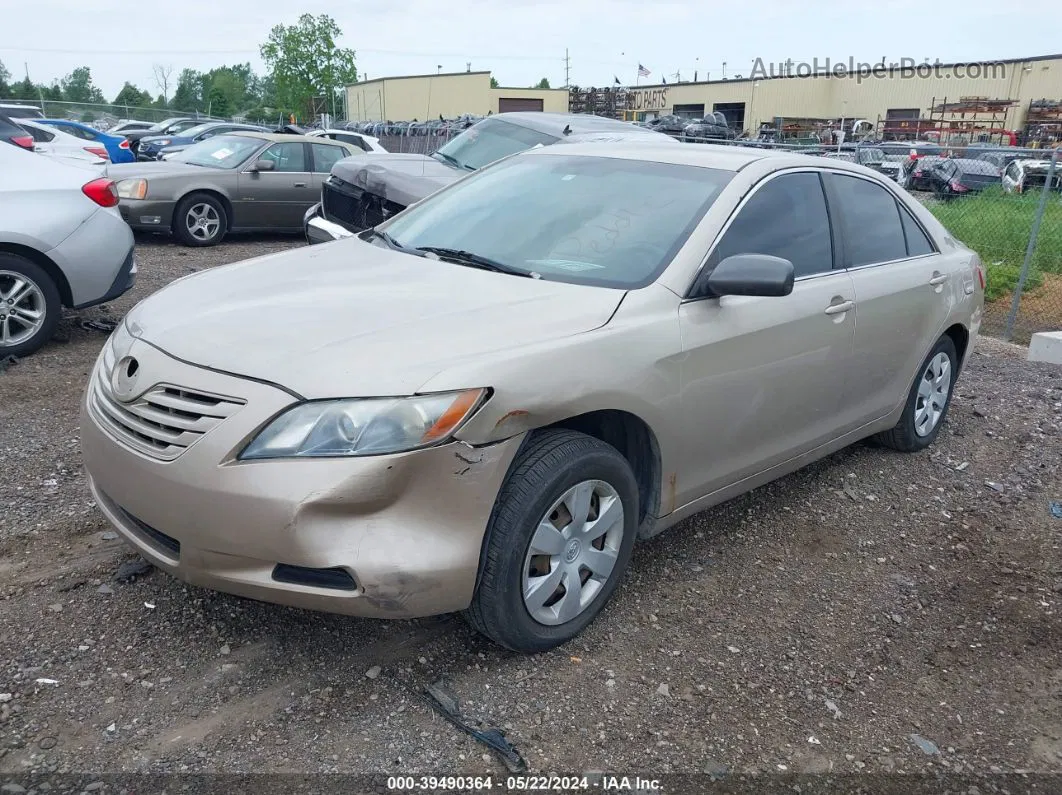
<point x="567" y="69"/>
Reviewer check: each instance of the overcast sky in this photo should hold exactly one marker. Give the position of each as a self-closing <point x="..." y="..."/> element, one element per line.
<point x="521" y="42"/>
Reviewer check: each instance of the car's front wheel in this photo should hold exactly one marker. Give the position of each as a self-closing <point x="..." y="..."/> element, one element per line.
<point x="927" y="402"/>
<point x="200" y="220"/>
<point x="559" y="539"/>
<point x="29" y="306"/>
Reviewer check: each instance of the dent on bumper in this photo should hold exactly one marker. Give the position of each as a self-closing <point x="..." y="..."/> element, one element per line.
<point x="408" y="528"/>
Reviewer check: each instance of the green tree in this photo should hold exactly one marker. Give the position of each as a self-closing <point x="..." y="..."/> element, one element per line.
<point x="54" y="93"/>
<point x="187" y="96"/>
<point x="24" y="89"/>
<point x="5" y="76"/>
<point x="217" y="102"/>
<point x="493" y="82"/>
<point x="305" y="62"/>
<point x="543" y="83"/>
<point x="129" y="96"/>
<point x="78" y="87"/>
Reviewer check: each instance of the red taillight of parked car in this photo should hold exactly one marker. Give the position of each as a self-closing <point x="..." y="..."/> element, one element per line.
<point x="99" y="151"/>
<point x="981" y="276"/>
<point x="25" y="141"/>
<point x="958" y="187"/>
<point x="124" y="144"/>
<point x="102" y="191"/>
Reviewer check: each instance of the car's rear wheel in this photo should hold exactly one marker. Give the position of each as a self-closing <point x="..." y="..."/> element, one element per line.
<point x="200" y="220"/>
<point x="927" y="402"/>
<point x="29" y="306"/>
<point x="559" y="539"/>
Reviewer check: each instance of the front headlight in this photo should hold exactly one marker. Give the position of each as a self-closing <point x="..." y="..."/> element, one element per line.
<point x="162" y="142"/>
<point x="132" y="189"/>
<point x="364" y="426"/>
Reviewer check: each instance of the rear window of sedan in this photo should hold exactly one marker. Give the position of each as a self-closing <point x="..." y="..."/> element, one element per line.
<point x="602" y="221"/>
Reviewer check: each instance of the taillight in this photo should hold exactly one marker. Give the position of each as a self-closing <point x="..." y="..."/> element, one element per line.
<point x="102" y="191"/>
<point x="99" y="151"/>
<point x="958" y="187"/>
<point x="981" y="276"/>
<point x="25" y="141"/>
<point x="124" y="144"/>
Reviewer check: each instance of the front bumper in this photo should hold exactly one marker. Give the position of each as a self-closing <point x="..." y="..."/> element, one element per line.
<point x="147" y="214"/>
<point x="319" y="229"/>
<point x="403" y="531"/>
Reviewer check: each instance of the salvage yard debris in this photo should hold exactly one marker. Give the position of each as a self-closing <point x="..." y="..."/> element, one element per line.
<point x="440" y="698"/>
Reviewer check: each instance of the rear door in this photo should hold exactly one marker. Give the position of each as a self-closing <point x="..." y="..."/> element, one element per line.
<point x="901" y="295"/>
<point x="765" y="378"/>
<point x="278" y="199"/>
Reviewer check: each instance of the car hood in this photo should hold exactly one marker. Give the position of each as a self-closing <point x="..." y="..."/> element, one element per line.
<point x="120" y="171"/>
<point x="400" y="178"/>
<point x="152" y="140"/>
<point x="355" y="319"/>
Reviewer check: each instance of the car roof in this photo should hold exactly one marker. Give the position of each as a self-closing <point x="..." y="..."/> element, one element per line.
<point x="727" y="158"/>
<point x="554" y="123"/>
<point x="279" y="137"/>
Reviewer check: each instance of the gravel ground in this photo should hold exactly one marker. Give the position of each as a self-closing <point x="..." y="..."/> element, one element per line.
<point x="874" y="612"/>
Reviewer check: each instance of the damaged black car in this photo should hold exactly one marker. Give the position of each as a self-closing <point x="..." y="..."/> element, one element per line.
<point x="364" y="190"/>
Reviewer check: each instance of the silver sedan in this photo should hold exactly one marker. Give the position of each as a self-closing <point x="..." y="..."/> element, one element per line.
<point x="62" y="243"/>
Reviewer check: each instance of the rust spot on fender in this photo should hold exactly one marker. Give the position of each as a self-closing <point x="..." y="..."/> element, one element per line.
<point x="511" y="415"/>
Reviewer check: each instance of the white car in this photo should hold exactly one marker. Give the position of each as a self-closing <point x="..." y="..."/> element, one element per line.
<point x="366" y="142"/>
<point x="1027" y="173"/>
<point x="55" y="143"/>
<point x="19" y="111"/>
<point x="63" y="243"/>
<point x="122" y="127"/>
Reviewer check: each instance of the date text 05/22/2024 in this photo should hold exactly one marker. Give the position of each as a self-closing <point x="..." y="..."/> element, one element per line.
<point x="604" y="783"/>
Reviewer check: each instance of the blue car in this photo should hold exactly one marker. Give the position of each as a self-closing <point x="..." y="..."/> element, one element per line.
<point x="152" y="145"/>
<point x="116" y="145"/>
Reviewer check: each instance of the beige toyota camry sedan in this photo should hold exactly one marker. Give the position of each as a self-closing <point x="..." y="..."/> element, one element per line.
<point x="483" y="403"/>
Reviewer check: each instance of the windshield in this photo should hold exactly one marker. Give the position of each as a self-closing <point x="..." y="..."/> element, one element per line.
<point x="871" y="155"/>
<point x="587" y="220"/>
<point x="192" y="132"/>
<point x="490" y="140"/>
<point x="222" y="151"/>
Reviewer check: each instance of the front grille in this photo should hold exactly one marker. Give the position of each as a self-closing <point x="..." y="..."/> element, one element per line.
<point x="340" y="203"/>
<point x="164" y="421"/>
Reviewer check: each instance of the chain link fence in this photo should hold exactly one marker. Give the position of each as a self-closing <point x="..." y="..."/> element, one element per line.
<point x="419" y="138"/>
<point x="1003" y="202"/>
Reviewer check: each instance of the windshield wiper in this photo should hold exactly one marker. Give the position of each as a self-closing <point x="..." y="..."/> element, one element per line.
<point x="452" y="160"/>
<point x="386" y="238"/>
<point x="475" y="260"/>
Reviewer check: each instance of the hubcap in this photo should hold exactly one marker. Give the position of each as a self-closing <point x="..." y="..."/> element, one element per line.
<point x="572" y="553"/>
<point x="22" y="309"/>
<point x="202" y="221"/>
<point x="932" y="397"/>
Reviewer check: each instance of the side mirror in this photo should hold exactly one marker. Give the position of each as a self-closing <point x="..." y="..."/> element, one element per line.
<point x="264" y="165"/>
<point x="749" y="274"/>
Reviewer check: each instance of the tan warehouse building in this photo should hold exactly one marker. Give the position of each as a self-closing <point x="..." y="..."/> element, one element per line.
<point x="423" y="97"/>
<point x="884" y="93"/>
<point x="974" y="98"/>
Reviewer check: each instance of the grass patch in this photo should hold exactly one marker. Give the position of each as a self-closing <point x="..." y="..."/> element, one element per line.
<point x="996" y="225"/>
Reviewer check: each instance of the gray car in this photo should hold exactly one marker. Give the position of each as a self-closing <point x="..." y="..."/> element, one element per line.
<point x="62" y="243"/>
<point x="241" y="182"/>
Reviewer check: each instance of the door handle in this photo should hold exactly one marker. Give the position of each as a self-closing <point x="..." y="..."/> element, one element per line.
<point x="300" y="184"/>
<point x="836" y="309"/>
<point x="938" y="279"/>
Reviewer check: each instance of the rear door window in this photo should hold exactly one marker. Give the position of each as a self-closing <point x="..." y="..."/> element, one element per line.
<point x="871" y="218"/>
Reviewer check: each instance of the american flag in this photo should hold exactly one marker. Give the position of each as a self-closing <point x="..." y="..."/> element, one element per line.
<point x="642" y="71"/>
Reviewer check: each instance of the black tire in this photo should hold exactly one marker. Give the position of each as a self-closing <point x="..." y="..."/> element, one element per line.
<point x="33" y="273"/>
<point x="181" y="227"/>
<point x="904" y="437"/>
<point x="550" y="464"/>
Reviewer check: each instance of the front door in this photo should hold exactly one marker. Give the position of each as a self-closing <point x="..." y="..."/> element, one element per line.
<point x="903" y="292"/>
<point x="764" y="378"/>
<point x="277" y="199"/>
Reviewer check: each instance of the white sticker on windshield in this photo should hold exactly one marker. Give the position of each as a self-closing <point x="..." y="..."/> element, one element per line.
<point x="221" y="154"/>
<point x="567" y="177"/>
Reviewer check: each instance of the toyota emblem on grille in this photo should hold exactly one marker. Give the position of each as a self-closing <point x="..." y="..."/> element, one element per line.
<point x="124" y="377"/>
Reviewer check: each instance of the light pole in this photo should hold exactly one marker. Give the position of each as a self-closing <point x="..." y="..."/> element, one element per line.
<point x="752" y="103"/>
<point x="840" y="136"/>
